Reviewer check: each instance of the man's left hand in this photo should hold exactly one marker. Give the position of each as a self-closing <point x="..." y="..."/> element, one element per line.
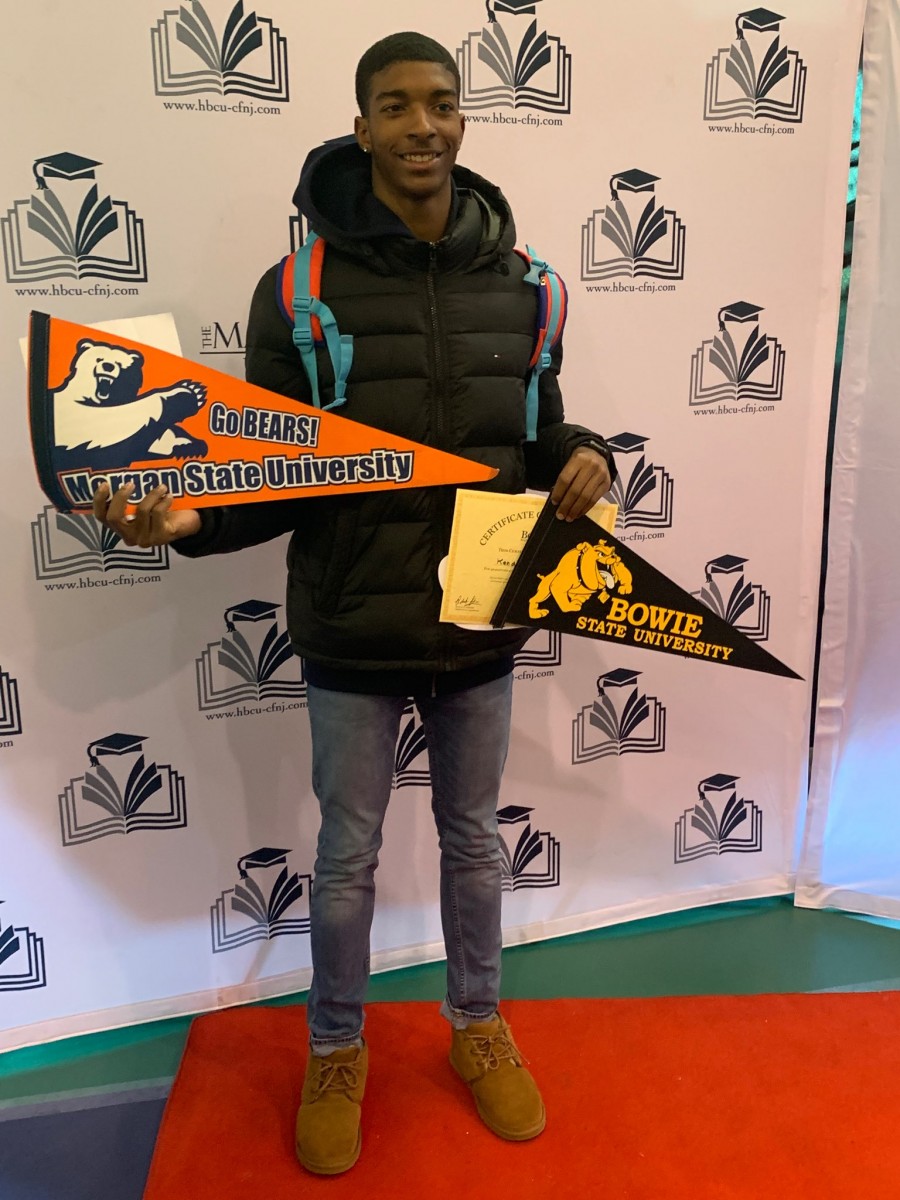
<point x="581" y="483"/>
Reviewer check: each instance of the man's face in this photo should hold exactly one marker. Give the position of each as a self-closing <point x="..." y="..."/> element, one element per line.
<point x="412" y="129"/>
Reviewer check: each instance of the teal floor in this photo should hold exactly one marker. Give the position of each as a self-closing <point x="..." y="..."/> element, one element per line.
<point x="744" y="948"/>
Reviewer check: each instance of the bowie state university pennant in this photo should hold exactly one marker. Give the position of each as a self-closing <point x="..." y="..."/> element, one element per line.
<point x="576" y="578"/>
<point x="105" y="409"/>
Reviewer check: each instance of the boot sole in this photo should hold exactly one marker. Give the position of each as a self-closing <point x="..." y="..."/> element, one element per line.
<point x="331" y="1168"/>
<point x="520" y="1135"/>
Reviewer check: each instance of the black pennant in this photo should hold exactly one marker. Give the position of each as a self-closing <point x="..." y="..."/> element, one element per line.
<point x="574" y="577"/>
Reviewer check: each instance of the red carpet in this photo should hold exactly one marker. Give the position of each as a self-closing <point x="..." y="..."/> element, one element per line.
<point x="695" y="1098"/>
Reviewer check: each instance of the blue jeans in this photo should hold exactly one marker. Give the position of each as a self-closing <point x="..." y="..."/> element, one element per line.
<point x="354" y="740"/>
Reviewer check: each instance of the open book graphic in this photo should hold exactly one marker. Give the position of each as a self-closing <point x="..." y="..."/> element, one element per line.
<point x="261" y="906"/>
<point x="120" y="783"/>
<point x="267" y="911"/>
<point x="249" y="59"/>
<point x="622" y="720"/>
<point x="21" y="959"/>
<point x="710" y="829"/>
<point x="629" y="492"/>
<point x="536" y="74"/>
<point x="55" y="556"/>
<point x="249" y="662"/>
<point x="655" y="227"/>
<point x="10" y="713"/>
<point x="411" y="760"/>
<point x="528" y="858"/>
<point x="103" y="240"/>
<point x="720" y="371"/>
<point x="727" y="593"/>
<point x="736" y="87"/>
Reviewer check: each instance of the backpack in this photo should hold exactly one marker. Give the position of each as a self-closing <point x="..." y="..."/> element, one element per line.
<point x="299" y="290"/>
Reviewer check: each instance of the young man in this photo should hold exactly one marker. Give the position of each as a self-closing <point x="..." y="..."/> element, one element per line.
<point x="420" y="269"/>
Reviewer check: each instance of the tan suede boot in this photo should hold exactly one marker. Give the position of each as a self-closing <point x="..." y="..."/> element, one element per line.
<point x="485" y="1056"/>
<point x="328" y="1133"/>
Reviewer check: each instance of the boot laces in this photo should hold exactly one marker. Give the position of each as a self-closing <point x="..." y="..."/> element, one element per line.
<point x="338" y="1077"/>
<point x="492" y="1049"/>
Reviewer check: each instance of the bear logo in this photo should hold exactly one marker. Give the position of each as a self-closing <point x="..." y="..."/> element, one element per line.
<point x="582" y="572"/>
<point x="102" y="420"/>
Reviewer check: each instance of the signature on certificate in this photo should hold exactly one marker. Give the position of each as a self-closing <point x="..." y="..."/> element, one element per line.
<point x="467" y="603"/>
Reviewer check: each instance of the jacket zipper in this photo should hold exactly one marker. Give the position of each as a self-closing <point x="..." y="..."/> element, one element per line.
<point x="436" y="341"/>
<point x="440" y="502"/>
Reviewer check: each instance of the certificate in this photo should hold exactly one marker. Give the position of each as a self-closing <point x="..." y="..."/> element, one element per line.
<point x="489" y="531"/>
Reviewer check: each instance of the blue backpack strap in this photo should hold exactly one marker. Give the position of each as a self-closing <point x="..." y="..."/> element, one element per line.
<point x="552" y="308"/>
<point x="299" y="285"/>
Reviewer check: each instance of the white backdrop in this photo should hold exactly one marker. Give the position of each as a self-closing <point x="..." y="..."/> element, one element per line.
<point x="150" y="744"/>
<point x="850" y="849"/>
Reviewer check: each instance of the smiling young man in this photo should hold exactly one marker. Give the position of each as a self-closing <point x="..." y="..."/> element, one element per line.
<point x="412" y="127"/>
<point x="420" y="268"/>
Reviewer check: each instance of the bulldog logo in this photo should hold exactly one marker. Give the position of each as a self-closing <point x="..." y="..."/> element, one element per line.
<point x="584" y="571"/>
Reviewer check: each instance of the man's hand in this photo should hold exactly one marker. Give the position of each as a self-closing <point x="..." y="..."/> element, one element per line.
<point x="152" y="524"/>
<point x="581" y="483"/>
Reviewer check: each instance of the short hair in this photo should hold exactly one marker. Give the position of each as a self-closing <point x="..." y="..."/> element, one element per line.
<point x="400" y="47"/>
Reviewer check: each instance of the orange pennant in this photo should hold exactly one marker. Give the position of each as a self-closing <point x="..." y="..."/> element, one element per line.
<point x="105" y="409"/>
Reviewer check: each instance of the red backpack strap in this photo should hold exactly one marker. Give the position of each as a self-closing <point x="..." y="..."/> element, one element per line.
<point x="298" y="289"/>
<point x="552" y="309"/>
<point x="285" y="281"/>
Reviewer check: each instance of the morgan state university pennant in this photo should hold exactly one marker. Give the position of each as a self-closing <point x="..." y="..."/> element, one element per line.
<point x="575" y="578"/>
<point x="106" y="409"/>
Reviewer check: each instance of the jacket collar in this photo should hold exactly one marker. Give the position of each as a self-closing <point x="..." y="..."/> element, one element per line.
<point x="335" y="196"/>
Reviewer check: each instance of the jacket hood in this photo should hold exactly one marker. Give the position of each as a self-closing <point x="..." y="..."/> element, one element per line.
<point x="335" y="196"/>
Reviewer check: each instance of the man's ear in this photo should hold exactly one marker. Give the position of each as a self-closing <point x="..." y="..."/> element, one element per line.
<point x="462" y="125"/>
<point x="361" y="129"/>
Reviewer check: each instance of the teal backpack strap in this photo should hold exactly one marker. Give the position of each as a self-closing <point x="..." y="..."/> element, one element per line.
<point x="314" y="322"/>
<point x="552" y="307"/>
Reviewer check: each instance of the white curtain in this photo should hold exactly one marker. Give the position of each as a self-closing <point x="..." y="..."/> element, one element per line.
<point x="850" y="856"/>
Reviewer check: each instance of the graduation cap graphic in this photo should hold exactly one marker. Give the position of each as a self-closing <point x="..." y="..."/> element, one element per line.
<point x="761" y="20"/>
<point x="250" y="610"/>
<point x="627" y="443"/>
<point x="634" y="180"/>
<point x="725" y="564"/>
<point x="620" y="677"/>
<point x="63" y="166"/>
<point x="518" y="8"/>
<point x="741" y="312"/>
<point x="716" y="783"/>
<point x="576" y="578"/>
<point x="512" y="814"/>
<point x="115" y="744"/>
<point x="266" y="856"/>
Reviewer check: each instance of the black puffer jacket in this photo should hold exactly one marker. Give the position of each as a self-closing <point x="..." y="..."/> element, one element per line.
<point x="442" y="338"/>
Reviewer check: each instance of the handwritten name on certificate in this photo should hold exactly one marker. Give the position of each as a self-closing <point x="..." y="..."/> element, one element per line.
<point x="489" y="531"/>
